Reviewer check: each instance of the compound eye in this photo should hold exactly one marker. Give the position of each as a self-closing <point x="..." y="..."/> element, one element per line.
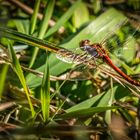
<point x="84" y="42"/>
<point x="87" y="42"/>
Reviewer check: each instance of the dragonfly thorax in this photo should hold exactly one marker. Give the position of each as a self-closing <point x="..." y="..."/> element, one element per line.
<point x="91" y="49"/>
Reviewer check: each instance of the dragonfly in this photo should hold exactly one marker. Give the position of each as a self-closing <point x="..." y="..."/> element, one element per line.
<point x="94" y="50"/>
<point x="97" y="51"/>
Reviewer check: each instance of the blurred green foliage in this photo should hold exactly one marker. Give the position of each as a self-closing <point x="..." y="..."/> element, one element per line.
<point x="50" y="94"/>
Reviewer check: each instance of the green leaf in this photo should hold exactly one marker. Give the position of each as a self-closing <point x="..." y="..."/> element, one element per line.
<point x="34" y="16"/>
<point x="96" y="6"/>
<point x="129" y="50"/>
<point x="3" y="75"/>
<point x="63" y="19"/>
<point x="22" y="26"/>
<point x="98" y="100"/>
<point x="45" y="92"/>
<point x="17" y="68"/>
<point x="80" y="16"/>
<point x="110" y="102"/>
<point x="27" y="39"/>
<point x="44" y="24"/>
<point x="86" y="104"/>
<point x="100" y="29"/>
<point x="84" y="112"/>
<point x="43" y="28"/>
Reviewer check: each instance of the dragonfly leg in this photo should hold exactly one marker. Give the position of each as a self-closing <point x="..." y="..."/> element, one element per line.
<point x="93" y="59"/>
<point x="81" y="57"/>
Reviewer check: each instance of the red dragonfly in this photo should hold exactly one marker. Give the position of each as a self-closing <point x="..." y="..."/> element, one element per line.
<point x="97" y="51"/>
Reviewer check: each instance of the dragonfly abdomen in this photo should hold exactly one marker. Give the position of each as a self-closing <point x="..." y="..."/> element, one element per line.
<point x="119" y="71"/>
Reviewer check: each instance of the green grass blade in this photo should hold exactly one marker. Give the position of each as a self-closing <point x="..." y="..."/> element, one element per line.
<point x="45" y="92"/>
<point x="34" y="16"/>
<point x="85" y="104"/>
<point x="110" y="102"/>
<point x="79" y="18"/>
<point x="85" y="112"/>
<point x="20" y="25"/>
<point x="63" y="19"/>
<point x="17" y="68"/>
<point x="27" y="39"/>
<point x="47" y="16"/>
<point x="43" y="28"/>
<point x="3" y="78"/>
<point x="98" y="100"/>
<point x="99" y="29"/>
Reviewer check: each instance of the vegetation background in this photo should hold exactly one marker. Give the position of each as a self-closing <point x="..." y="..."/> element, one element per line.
<point x="45" y="96"/>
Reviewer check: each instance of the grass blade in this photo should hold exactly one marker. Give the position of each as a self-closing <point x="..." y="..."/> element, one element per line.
<point x="27" y="39"/>
<point x="3" y="78"/>
<point x="98" y="100"/>
<point x="43" y="28"/>
<point x="79" y="18"/>
<point x="45" y="92"/>
<point x="17" y="68"/>
<point x="63" y="19"/>
<point x="84" y="112"/>
<point x="47" y="16"/>
<point x="34" y="16"/>
<point x="110" y="102"/>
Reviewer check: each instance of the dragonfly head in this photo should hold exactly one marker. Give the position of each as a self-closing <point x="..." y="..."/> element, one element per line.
<point x="84" y="44"/>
